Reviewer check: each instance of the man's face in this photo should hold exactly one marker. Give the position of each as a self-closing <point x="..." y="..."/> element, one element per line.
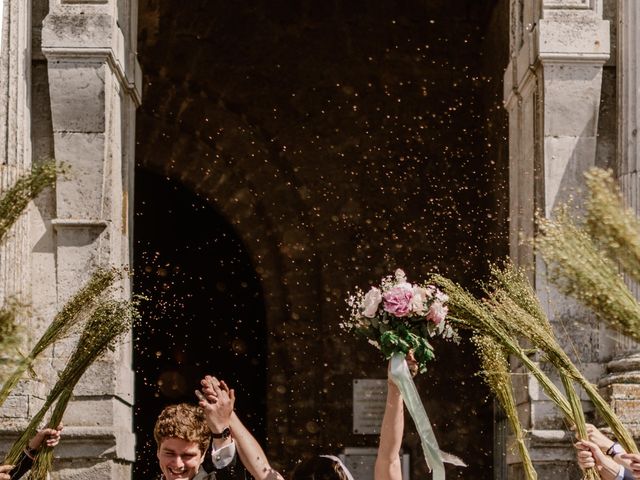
<point x="179" y="459"/>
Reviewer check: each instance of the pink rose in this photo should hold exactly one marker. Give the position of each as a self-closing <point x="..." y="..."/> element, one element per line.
<point x="397" y="300"/>
<point x="437" y="312"/>
<point x="371" y="302"/>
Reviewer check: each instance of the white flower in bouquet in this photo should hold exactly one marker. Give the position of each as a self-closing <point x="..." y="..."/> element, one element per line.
<point x="437" y="312"/>
<point x="419" y="299"/>
<point x="398" y="316"/>
<point x="371" y="302"/>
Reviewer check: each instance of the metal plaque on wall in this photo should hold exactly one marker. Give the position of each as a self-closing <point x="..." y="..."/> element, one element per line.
<point x="369" y="397"/>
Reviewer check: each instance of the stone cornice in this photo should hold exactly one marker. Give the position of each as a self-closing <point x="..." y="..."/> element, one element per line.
<point x="550" y="43"/>
<point x="622" y="370"/>
<point x="99" y="39"/>
<point x="133" y="86"/>
<point x="572" y="42"/>
<point x="78" y="223"/>
<point x="97" y="442"/>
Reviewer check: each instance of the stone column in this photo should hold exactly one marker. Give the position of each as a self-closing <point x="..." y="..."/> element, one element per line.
<point x="15" y="142"/>
<point x="552" y="93"/>
<point x="15" y="160"/>
<point x="1" y="25"/>
<point x="94" y="88"/>
<point x="622" y="383"/>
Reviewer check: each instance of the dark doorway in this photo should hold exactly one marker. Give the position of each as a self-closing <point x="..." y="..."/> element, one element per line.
<point x="204" y="312"/>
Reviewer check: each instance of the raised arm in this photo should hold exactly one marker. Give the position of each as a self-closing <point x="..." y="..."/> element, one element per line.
<point x="249" y="450"/>
<point x="47" y="436"/>
<point x="388" y="466"/>
<point x="251" y="453"/>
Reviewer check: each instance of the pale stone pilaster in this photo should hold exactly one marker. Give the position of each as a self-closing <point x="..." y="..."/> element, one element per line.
<point x="622" y="384"/>
<point x="15" y="141"/>
<point x="552" y="94"/>
<point x="94" y="86"/>
<point x="2" y="29"/>
<point x="15" y="160"/>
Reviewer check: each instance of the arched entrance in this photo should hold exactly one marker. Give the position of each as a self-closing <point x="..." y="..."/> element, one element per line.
<point x="341" y="140"/>
<point x="203" y="314"/>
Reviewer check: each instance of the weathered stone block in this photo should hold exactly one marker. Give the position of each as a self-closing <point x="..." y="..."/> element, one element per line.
<point x="98" y="412"/>
<point x="71" y="27"/>
<point x="562" y="36"/>
<point x="566" y="160"/>
<point x="96" y="442"/>
<point x="77" y="96"/>
<point x="79" y="195"/>
<point x="574" y="99"/>
<point x="79" y="469"/>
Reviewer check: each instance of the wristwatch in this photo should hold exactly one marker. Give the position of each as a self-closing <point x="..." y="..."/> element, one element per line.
<point x="226" y="433"/>
<point x="31" y="452"/>
<point x="614" y="449"/>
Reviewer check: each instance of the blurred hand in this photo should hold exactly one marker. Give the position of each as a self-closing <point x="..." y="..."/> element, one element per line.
<point x="586" y="457"/>
<point x="633" y="460"/>
<point x="50" y="437"/>
<point x="412" y="363"/>
<point x="4" y="472"/>
<point x="590" y="455"/>
<point x="600" y="439"/>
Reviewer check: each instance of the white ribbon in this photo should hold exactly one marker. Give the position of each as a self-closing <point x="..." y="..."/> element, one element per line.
<point x="434" y="457"/>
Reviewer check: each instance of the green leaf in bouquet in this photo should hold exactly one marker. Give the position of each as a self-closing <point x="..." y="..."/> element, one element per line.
<point x="392" y="342"/>
<point x="423" y="352"/>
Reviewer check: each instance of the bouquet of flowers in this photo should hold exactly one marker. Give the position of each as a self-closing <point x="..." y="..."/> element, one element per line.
<point x="399" y="316"/>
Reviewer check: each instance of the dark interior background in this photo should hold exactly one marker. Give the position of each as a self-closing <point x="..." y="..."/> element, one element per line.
<point x="203" y="312"/>
<point x="338" y="141"/>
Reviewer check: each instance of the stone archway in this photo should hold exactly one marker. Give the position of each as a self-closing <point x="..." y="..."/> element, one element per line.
<point x="340" y="140"/>
<point x="275" y="249"/>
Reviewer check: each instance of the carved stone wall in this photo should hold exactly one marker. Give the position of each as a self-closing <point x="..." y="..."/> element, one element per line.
<point x="81" y="102"/>
<point x="622" y="382"/>
<point x="560" y="91"/>
<point x="228" y="123"/>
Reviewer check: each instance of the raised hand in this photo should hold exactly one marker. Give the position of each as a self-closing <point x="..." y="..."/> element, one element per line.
<point x="412" y="363"/>
<point x="49" y="436"/>
<point x="590" y="456"/>
<point x="217" y="400"/>
<point x="600" y="439"/>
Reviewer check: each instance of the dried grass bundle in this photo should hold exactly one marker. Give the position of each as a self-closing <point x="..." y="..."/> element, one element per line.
<point x="9" y="335"/>
<point x="26" y="188"/>
<point x="579" y="421"/>
<point x="539" y="331"/>
<point x="580" y="269"/>
<point x="76" y="310"/>
<point x="110" y="320"/>
<point x="495" y="371"/>
<point x="469" y="312"/>
<point x="615" y="227"/>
